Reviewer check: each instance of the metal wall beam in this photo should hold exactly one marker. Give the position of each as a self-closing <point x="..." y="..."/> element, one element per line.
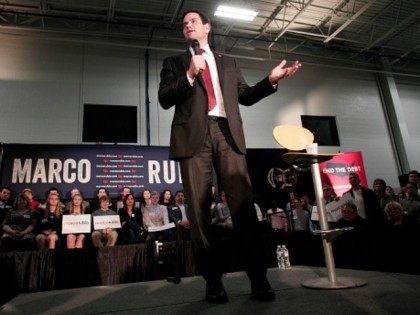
<point x="397" y="124"/>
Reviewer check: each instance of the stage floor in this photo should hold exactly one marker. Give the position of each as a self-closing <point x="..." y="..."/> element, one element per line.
<point x="385" y="293"/>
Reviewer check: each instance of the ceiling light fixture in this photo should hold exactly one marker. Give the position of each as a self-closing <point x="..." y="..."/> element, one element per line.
<point x="235" y="13"/>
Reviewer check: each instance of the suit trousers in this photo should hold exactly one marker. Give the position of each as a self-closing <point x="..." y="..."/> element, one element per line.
<point x="219" y="151"/>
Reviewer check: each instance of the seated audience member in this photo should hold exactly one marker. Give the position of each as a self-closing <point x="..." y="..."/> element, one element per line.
<point x="215" y="199"/>
<point x="329" y="194"/>
<point x="29" y="194"/>
<point x="86" y="205"/>
<point x="145" y="198"/>
<point x="402" y="236"/>
<point x="18" y="226"/>
<point x="124" y="192"/>
<point x="50" y="223"/>
<point x="414" y="178"/>
<point x="411" y="203"/>
<point x="156" y="215"/>
<point x="223" y="212"/>
<point x="300" y="218"/>
<point x="132" y="230"/>
<point x="350" y="217"/>
<point x="389" y="191"/>
<point x="397" y="216"/>
<point x="105" y="236"/>
<point x="94" y="204"/>
<point x="365" y="200"/>
<point x="76" y="207"/>
<point x="5" y="202"/>
<point x="350" y="248"/>
<point x="178" y="214"/>
<point x="51" y="190"/>
<point x="166" y="198"/>
<point x="278" y="218"/>
<point x="379" y="186"/>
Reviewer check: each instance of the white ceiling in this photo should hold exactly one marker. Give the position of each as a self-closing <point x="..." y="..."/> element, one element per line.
<point x="348" y="33"/>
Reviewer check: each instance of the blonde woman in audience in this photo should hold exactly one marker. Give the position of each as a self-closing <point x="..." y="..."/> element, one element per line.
<point x="76" y="207"/>
<point x="50" y="223"/>
<point x="155" y="215"/>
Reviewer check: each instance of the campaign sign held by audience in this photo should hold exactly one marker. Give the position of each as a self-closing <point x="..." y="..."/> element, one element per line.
<point x="75" y="224"/>
<point x="332" y="209"/>
<point x="101" y="222"/>
<point x="335" y="172"/>
<point x="161" y="228"/>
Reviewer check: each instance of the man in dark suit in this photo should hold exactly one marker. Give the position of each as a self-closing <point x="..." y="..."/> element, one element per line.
<point x="205" y="88"/>
<point x="178" y="214"/>
<point x="365" y="200"/>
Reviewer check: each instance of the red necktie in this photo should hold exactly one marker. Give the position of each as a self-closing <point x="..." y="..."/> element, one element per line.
<point x="211" y="97"/>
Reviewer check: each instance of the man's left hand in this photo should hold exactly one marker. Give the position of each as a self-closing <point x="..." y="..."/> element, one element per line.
<point x="280" y="72"/>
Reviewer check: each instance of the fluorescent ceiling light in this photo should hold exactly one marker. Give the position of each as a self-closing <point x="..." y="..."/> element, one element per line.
<point x="235" y="13"/>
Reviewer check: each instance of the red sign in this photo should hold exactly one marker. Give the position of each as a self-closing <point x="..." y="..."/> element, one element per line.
<point x="335" y="172"/>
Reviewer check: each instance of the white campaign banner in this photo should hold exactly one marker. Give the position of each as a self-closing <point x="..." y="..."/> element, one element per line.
<point x="160" y="228"/>
<point x="74" y="224"/>
<point x="332" y="209"/>
<point x="101" y="222"/>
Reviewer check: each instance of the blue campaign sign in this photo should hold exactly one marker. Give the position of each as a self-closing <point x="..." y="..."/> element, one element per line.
<point x="88" y="167"/>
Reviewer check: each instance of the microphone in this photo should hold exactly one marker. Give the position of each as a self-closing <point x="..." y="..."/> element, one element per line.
<point x="195" y="45"/>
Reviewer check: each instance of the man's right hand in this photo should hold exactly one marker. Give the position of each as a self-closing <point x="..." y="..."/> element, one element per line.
<point x="185" y="224"/>
<point x="197" y="65"/>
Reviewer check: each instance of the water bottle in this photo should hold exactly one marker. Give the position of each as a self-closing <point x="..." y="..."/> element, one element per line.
<point x="280" y="257"/>
<point x="286" y="258"/>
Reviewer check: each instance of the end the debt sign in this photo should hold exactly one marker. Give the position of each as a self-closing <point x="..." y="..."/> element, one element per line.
<point x="335" y="172"/>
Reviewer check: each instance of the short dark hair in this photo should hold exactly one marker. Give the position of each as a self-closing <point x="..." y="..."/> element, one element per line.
<point x="5" y="187"/>
<point x="106" y="190"/>
<point x="380" y="180"/>
<point x="203" y="17"/>
<point x="103" y="198"/>
<point x="412" y="184"/>
<point x="413" y="172"/>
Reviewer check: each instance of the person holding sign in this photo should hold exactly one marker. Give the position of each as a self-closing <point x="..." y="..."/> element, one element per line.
<point x="107" y="235"/>
<point x="76" y="207"/>
<point x="155" y="216"/>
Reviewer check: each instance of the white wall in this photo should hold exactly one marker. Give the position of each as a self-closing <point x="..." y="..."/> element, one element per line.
<point x="44" y="85"/>
<point x="409" y="93"/>
<point x="39" y="91"/>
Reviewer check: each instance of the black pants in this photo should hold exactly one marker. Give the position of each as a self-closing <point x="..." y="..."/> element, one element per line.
<point x="220" y="152"/>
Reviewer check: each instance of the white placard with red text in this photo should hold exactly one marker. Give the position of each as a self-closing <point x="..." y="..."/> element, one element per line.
<point x="332" y="209"/>
<point x="75" y="224"/>
<point x="101" y="222"/>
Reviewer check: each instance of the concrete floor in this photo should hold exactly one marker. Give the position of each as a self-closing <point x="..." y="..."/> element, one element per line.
<point x="385" y="293"/>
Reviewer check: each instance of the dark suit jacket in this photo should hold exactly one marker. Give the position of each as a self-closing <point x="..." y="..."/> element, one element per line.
<point x="175" y="213"/>
<point x="189" y="125"/>
<point x="374" y="213"/>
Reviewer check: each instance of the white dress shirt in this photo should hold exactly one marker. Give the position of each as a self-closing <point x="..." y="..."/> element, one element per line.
<point x="219" y="109"/>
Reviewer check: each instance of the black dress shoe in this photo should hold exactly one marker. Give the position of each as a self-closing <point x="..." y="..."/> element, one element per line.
<point x="262" y="291"/>
<point x="215" y="293"/>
